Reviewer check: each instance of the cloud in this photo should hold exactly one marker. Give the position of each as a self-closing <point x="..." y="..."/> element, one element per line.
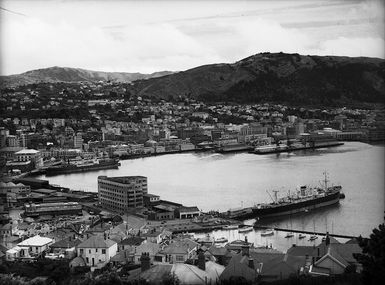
<point x="370" y="47"/>
<point x="128" y="39"/>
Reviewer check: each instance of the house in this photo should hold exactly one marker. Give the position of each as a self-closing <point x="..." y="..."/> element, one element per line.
<point x="5" y="230"/>
<point x="332" y="263"/>
<point x="97" y="251"/>
<point x="187" y="274"/>
<point x="129" y="243"/>
<point x="123" y="257"/>
<point x="30" y="248"/>
<point x="330" y="257"/>
<point x="66" y="246"/>
<point x="152" y="235"/>
<point x="147" y="247"/>
<point x="221" y="254"/>
<point x="282" y="267"/>
<point x="178" y="251"/>
<point x="248" y="263"/>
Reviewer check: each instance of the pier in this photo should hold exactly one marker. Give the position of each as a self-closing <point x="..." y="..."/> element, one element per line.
<point x="305" y="232"/>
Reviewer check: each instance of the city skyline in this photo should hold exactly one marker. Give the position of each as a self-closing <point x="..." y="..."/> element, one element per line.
<point x="150" y="36"/>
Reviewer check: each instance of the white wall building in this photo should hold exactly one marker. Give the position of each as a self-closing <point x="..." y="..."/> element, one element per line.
<point x="97" y="251"/>
<point x="30" y="248"/>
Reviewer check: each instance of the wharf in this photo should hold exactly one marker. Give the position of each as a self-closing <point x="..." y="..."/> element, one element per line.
<point x="304" y="232"/>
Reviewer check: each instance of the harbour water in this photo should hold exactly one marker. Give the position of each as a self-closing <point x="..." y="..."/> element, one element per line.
<point x="214" y="181"/>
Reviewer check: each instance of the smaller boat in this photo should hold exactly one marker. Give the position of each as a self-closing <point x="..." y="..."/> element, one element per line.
<point x="245" y="229"/>
<point x="301" y="236"/>
<point x="230" y="227"/>
<point x="221" y="240"/>
<point x="289" y="235"/>
<point x="267" y="232"/>
<point x="313" y="237"/>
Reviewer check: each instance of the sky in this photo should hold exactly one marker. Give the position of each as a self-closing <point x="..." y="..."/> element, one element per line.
<point x="150" y="36"/>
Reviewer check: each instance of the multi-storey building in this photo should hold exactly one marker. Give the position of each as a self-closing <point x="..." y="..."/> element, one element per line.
<point x="122" y="193"/>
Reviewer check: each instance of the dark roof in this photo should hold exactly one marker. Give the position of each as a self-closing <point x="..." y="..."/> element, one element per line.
<point x="238" y="266"/>
<point x="301" y="250"/>
<point x="96" y="242"/>
<point x="66" y="243"/>
<point x="132" y="241"/>
<point x="218" y="251"/>
<point x="188" y="209"/>
<point x="122" y="256"/>
<point x="283" y="265"/>
<point x="154" y="275"/>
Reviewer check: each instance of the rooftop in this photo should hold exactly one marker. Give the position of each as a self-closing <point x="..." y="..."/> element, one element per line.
<point x="27" y="151"/>
<point x="35" y="241"/>
<point x="96" y="242"/>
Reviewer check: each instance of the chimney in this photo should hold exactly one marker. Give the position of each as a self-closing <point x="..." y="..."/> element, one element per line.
<point x="245" y="250"/>
<point x="145" y="261"/>
<point x="251" y="263"/>
<point x="201" y="261"/>
<point x="327" y="239"/>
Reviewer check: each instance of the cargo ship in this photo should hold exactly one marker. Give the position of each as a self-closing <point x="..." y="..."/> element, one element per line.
<point x="312" y="143"/>
<point x="83" y="165"/>
<point x="303" y="200"/>
<point x="236" y="147"/>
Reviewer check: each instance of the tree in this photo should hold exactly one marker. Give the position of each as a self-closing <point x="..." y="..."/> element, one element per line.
<point x="372" y="257"/>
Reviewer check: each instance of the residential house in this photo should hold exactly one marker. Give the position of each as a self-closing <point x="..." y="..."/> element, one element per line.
<point x="187" y="274"/>
<point x="66" y="246"/>
<point x="130" y="243"/>
<point x="178" y="251"/>
<point x="152" y="249"/>
<point x="97" y="251"/>
<point x="30" y="248"/>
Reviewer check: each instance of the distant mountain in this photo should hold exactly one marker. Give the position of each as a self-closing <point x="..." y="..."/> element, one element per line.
<point x="66" y="74"/>
<point x="276" y="77"/>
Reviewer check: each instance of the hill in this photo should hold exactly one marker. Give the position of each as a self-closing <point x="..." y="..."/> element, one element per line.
<point x="276" y="77"/>
<point x="66" y="74"/>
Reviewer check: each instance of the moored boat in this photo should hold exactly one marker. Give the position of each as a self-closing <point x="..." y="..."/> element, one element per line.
<point x="267" y="232"/>
<point x="221" y="240"/>
<point x="230" y="227"/>
<point x="245" y="229"/>
<point x="313" y="237"/>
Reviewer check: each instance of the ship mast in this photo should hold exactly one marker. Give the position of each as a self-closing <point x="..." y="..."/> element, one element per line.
<point x="275" y="196"/>
<point x="325" y="180"/>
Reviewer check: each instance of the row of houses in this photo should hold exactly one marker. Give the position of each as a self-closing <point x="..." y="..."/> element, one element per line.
<point x="202" y="264"/>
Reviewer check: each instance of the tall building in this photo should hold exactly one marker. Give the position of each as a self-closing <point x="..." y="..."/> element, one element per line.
<point x="122" y="193"/>
<point x="78" y="140"/>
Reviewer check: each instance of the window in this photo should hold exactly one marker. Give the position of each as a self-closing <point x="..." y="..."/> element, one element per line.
<point x="103" y="251"/>
<point x="81" y="251"/>
<point x="96" y="250"/>
<point x="179" y="258"/>
<point x="89" y="251"/>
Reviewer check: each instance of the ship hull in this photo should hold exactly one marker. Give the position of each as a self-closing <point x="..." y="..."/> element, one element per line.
<point x="290" y="149"/>
<point x="68" y="170"/>
<point x="293" y="208"/>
